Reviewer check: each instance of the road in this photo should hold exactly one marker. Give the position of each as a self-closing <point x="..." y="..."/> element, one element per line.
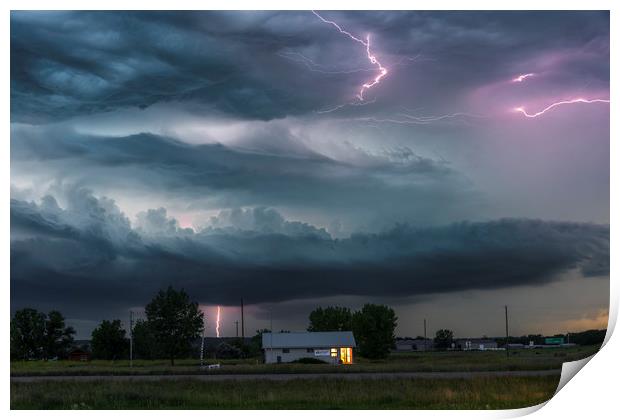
<point x="290" y="376"/>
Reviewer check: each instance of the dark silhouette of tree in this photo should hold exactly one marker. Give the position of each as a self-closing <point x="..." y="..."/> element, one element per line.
<point x="35" y="335"/>
<point x="332" y="318"/>
<point x="109" y="341"/>
<point x="58" y="338"/>
<point x="373" y="328"/>
<point x="256" y="342"/>
<point x="227" y="351"/>
<point x="443" y="339"/>
<point x="588" y="337"/>
<point x="27" y="332"/>
<point x="174" y="321"/>
<point x="145" y="344"/>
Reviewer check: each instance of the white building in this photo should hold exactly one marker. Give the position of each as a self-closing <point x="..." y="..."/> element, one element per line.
<point x="476" y="344"/>
<point x="332" y="347"/>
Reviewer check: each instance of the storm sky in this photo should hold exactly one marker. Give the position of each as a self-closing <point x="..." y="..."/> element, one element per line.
<point x="239" y="155"/>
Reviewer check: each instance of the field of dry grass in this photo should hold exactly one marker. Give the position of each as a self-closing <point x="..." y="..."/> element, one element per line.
<point x="476" y="393"/>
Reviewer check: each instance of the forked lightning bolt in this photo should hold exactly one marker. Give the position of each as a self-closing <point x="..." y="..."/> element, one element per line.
<point x="556" y="104"/>
<point x="371" y="57"/>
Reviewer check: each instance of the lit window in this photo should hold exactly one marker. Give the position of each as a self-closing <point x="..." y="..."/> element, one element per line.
<point x="334" y="352"/>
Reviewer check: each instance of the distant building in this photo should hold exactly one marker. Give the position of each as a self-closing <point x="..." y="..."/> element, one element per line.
<point x="84" y="345"/>
<point x="78" y="355"/>
<point x="476" y="344"/>
<point x="413" y="344"/>
<point x="515" y="346"/>
<point x="332" y="347"/>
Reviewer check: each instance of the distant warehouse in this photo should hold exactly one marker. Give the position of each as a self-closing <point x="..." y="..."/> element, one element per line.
<point x="332" y="347"/>
<point x="476" y="344"/>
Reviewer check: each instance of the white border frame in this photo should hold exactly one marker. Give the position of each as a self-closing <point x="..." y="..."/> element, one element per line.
<point x="592" y="394"/>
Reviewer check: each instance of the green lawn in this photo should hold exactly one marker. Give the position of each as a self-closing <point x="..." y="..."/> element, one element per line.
<point x="551" y="358"/>
<point x="332" y="393"/>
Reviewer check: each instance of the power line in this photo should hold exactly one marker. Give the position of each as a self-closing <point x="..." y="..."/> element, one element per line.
<point x="425" y="334"/>
<point x="130" y="338"/>
<point x="242" y="323"/>
<point x="506" y="311"/>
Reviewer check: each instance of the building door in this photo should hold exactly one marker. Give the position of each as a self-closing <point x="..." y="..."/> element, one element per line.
<point x="279" y="359"/>
<point x="346" y="355"/>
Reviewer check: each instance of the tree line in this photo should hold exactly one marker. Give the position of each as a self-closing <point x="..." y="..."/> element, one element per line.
<point x="172" y="322"/>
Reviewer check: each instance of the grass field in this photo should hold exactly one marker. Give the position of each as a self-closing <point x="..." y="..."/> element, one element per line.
<point x="537" y="359"/>
<point x="476" y="393"/>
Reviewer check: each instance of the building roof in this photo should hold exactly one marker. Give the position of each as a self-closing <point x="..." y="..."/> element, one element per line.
<point x="308" y="340"/>
<point x="413" y="340"/>
<point x="476" y="340"/>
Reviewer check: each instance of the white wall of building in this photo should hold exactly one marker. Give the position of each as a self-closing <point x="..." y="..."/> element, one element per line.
<point x="271" y="355"/>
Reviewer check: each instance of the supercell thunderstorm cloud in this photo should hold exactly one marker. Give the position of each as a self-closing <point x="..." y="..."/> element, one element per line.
<point x="438" y="162"/>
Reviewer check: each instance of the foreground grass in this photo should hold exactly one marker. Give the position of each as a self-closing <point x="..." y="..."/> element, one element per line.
<point x="476" y="393"/>
<point x="535" y="359"/>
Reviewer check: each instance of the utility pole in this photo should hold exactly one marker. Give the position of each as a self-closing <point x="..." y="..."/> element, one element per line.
<point x="425" y="342"/>
<point x="130" y="338"/>
<point x="242" y="323"/>
<point x="237" y="328"/>
<point x="506" y="312"/>
<point x="202" y="343"/>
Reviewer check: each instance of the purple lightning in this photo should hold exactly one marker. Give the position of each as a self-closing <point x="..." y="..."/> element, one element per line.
<point x="298" y="57"/>
<point x="337" y="107"/>
<point x="555" y="104"/>
<point x="404" y="119"/>
<point x="520" y="78"/>
<point x="371" y="57"/>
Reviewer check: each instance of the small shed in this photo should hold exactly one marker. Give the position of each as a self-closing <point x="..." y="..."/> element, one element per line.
<point x="334" y="347"/>
<point x="78" y="355"/>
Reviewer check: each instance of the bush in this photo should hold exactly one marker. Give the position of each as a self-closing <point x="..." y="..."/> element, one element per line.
<point x="226" y="351"/>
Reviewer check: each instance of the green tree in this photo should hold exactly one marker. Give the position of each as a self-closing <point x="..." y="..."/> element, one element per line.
<point x="144" y="341"/>
<point x="109" y="341"/>
<point x="36" y="335"/>
<point x="332" y="318"/>
<point x="27" y="332"/>
<point x="174" y="321"/>
<point x="373" y="328"/>
<point x="226" y="350"/>
<point x="256" y="343"/>
<point x="58" y="338"/>
<point x="443" y="339"/>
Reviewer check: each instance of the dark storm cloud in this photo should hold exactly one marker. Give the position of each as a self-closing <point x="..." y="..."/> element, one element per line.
<point x="229" y="177"/>
<point x="87" y="257"/>
<point x="66" y="64"/>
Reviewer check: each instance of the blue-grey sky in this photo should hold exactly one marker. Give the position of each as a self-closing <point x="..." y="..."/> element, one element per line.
<point x="265" y="155"/>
